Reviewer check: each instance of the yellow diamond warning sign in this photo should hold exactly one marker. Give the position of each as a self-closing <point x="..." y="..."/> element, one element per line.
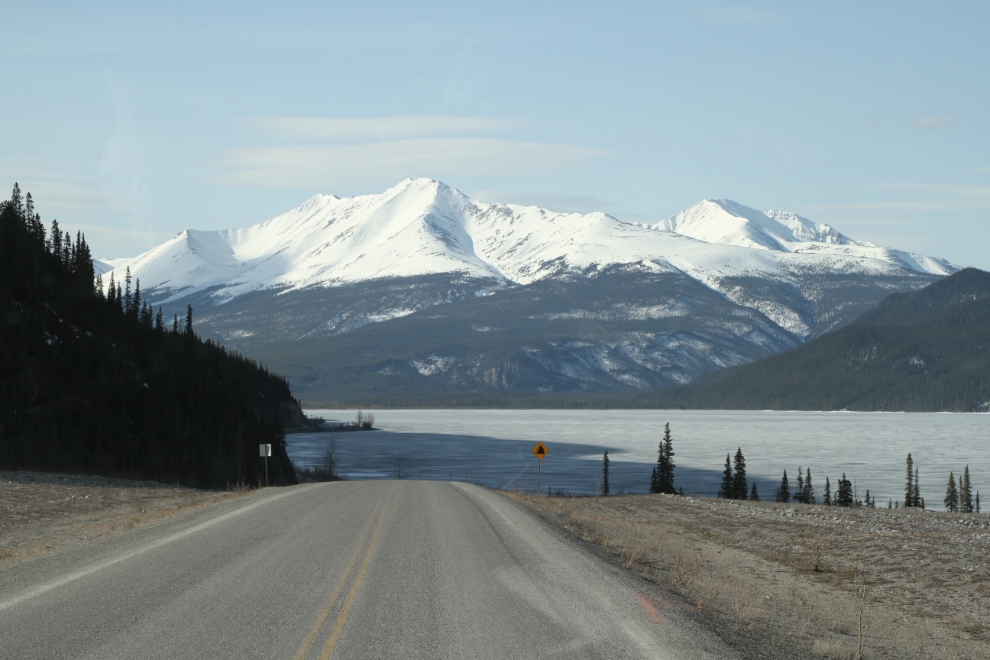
<point x="540" y="450"/>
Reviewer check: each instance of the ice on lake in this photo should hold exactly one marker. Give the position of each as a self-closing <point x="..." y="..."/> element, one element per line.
<point x="493" y="447"/>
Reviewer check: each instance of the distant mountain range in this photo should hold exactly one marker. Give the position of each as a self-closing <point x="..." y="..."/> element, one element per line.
<point x="927" y="351"/>
<point x="423" y="289"/>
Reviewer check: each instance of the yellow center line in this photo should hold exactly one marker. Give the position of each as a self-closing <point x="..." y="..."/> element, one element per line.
<point x="338" y="625"/>
<point x="310" y="638"/>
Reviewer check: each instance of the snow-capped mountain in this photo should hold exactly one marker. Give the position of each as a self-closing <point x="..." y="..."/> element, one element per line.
<point x="423" y="227"/>
<point x="334" y="265"/>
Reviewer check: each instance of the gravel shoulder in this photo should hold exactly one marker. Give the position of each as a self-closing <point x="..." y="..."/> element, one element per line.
<point x="43" y="513"/>
<point x="805" y="581"/>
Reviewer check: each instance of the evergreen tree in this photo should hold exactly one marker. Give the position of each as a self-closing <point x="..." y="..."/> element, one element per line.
<point x="175" y="324"/>
<point x="55" y="242"/>
<point x="844" y="496"/>
<point x="112" y="293"/>
<point x="799" y="492"/>
<point x="740" y="488"/>
<point x="951" y="500"/>
<point x="726" y="490"/>
<point x="605" y="473"/>
<point x="977" y="501"/>
<point x="159" y="324"/>
<point x="909" y="485"/>
<point x="809" y="490"/>
<point x="188" y="330"/>
<point x="127" y="292"/>
<point x="867" y="498"/>
<point x="753" y="495"/>
<point x="136" y="303"/>
<point x="784" y="491"/>
<point x="655" y="480"/>
<point x="827" y="495"/>
<point x="890" y="504"/>
<point x="916" y="501"/>
<point x="665" y="463"/>
<point x="966" y="493"/>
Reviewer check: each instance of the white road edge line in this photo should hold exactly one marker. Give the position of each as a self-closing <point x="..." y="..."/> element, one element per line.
<point x="99" y="566"/>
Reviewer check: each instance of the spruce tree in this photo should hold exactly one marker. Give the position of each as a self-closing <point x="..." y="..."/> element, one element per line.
<point x="827" y="495"/>
<point x="739" y="486"/>
<point x="784" y="491"/>
<point x="916" y="501"/>
<point x="112" y="293"/>
<point x="977" y="501"/>
<point x="799" y="492"/>
<point x="127" y="292"/>
<point x="753" y="495"/>
<point x="655" y="480"/>
<point x="966" y="493"/>
<point x="188" y="330"/>
<point x="136" y="308"/>
<point x="726" y="490"/>
<point x="55" y="242"/>
<point x="867" y="499"/>
<point x="909" y="485"/>
<point x="605" y="473"/>
<point x="666" y="463"/>
<point x="844" y="496"/>
<point x="809" y="490"/>
<point x="951" y="500"/>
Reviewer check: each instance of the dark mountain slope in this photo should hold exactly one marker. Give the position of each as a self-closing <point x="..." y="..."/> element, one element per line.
<point x="620" y="330"/>
<point x="922" y="351"/>
<point x="94" y="383"/>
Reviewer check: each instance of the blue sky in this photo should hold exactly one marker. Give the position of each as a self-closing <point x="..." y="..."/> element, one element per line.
<point x="133" y="121"/>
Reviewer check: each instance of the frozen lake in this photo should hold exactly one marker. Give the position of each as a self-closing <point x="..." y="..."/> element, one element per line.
<point x="492" y="447"/>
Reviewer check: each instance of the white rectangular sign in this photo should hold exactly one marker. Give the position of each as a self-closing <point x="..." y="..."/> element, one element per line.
<point x="266" y="450"/>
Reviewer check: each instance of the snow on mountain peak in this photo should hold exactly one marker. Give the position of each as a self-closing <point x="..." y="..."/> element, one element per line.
<point x="422" y="226"/>
<point x="725" y="222"/>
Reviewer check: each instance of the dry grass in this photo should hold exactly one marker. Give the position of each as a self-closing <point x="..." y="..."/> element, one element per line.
<point x="806" y="581"/>
<point x="41" y="514"/>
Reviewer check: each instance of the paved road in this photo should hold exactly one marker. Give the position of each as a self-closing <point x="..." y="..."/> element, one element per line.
<point x="370" y="569"/>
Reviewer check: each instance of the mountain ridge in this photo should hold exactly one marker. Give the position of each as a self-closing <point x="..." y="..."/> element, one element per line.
<point x="509" y="297"/>
<point x="431" y="228"/>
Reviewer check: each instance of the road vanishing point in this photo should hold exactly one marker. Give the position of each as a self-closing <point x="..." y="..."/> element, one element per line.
<point x="354" y="569"/>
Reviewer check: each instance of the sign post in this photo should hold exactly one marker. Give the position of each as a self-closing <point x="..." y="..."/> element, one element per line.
<point x="266" y="451"/>
<point x="540" y="450"/>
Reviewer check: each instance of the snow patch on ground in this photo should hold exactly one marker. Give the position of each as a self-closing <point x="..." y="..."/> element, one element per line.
<point x="432" y="364"/>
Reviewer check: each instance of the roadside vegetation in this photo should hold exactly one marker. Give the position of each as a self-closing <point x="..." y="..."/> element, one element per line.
<point x="92" y="379"/>
<point x="802" y="580"/>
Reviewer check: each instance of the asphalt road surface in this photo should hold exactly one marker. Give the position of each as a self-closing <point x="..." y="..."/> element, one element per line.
<point x="364" y="569"/>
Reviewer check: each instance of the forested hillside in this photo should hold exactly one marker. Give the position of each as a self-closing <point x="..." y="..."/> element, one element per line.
<point x="99" y="382"/>
<point x="922" y="351"/>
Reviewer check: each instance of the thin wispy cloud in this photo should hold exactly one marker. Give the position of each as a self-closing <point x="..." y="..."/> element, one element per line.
<point x="56" y="193"/>
<point x="933" y="121"/>
<point x="330" y="166"/>
<point x="374" y="128"/>
<point x="735" y="14"/>
<point x="932" y="206"/>
<point x="951" y="189"/>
